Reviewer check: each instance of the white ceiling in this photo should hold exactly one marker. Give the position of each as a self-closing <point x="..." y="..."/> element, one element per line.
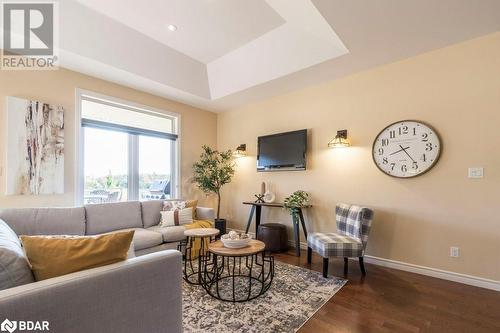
<point x="227" y="53"/>
<point x="207" y="29"/>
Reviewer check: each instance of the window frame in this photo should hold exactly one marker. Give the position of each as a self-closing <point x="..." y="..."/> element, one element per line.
<point x="133" y="146"/>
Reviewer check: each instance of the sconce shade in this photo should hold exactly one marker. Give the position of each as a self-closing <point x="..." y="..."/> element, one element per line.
<point x="340" y="140"/>
<point x="240" y="151"/>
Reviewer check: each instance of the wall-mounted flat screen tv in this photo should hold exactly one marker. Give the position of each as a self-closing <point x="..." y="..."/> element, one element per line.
<point x="282" y="152"/>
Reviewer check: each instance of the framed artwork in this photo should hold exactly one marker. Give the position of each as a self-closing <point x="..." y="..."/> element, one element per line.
<point x="35" y="147"/>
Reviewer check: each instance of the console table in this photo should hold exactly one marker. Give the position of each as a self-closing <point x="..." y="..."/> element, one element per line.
<point x="257" y="210"/>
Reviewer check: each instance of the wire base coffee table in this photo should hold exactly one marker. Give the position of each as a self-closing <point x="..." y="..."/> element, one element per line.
<point x="237" y="275"/>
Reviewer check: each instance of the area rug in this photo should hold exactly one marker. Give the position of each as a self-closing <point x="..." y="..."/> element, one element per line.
<point x="295" y="295"/>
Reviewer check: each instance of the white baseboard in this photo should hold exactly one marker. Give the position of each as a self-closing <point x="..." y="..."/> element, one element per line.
<point x="423" y="270"/>
<point x="434" y="272"/>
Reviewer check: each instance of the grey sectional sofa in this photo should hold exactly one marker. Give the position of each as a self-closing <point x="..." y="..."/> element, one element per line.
<point x="141" y="294"/>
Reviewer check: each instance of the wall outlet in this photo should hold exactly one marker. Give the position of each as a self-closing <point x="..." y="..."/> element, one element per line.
<point x="476" y="172"/>
<point x="454" y="252"/>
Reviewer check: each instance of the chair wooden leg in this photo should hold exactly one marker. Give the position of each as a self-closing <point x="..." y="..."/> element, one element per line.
<point x="362" y="266"/>
<point x="325" y="267"/>
<point x="346" y="265"/>
<point x="309" y="255"/>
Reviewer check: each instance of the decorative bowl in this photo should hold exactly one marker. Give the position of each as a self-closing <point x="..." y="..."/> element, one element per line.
<point x="233" y="241"/>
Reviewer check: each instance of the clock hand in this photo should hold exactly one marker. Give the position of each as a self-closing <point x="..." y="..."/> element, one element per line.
<point x="404" y="149"/>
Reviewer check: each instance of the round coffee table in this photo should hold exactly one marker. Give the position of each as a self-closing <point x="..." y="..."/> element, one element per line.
<point x="237" y="275"/>
<point x="193" y="258"/>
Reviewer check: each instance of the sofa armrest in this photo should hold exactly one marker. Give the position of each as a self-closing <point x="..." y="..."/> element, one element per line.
<point x="205" y="213"/>
<point x="142" y="294"/>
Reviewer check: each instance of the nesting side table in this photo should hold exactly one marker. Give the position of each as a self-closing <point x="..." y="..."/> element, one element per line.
<point x="193" y="258"/>
<point x="237" y="275"/>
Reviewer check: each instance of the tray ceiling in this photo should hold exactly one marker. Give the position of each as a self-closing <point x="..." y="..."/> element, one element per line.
<point x="226" y="53"/>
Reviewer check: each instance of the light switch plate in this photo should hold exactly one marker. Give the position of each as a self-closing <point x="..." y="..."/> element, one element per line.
<point x="454" y="252"/>
<point x="476" y="172"/>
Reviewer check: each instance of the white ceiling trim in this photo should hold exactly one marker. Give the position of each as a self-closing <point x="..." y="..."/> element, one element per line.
<point x="126" y="78"/>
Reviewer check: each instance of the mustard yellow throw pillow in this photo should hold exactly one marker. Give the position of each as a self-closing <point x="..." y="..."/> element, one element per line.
<point x="51" y="256"/>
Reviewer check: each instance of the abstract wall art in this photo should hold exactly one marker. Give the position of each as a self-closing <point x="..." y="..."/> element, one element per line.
<point x="35" y="147"/>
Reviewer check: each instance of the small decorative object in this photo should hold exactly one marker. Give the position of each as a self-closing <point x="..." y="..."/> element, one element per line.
<point x="269" y="196"/>
<point x="214" y="170"/>
<point x="260" y="197"/>
<point x="234" y="240"/>
<point x="297" y="199"/>
<point x="241" y="151"/>
<point x="340" y="140"/>
<point x="35" y="147"/>
<point x="406" y="149"/>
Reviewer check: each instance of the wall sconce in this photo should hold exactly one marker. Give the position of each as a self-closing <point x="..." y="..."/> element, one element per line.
<point x="340" y="140"/>
<point x="241" y="151"/>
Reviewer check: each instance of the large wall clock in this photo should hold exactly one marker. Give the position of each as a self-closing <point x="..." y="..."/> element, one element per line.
<point x="406" y="149"/>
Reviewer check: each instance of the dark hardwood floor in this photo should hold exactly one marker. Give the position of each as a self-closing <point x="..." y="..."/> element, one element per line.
<point x="388" y="300"/>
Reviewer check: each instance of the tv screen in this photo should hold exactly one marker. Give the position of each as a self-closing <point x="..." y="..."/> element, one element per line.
<point x="283" y="151"/>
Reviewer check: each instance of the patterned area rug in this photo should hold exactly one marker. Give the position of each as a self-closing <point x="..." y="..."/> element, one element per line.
<point x="295" y="295"/>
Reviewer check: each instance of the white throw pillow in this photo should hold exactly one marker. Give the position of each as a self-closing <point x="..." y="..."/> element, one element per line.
<point x="172" y="218"/>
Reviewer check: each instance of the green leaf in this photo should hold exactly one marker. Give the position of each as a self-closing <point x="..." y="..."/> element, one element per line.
<point x="296" y="200"/>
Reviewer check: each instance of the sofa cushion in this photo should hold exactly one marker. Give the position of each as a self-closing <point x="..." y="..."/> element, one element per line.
<point x="108" y="217"/>
<point x="144" y="238"/>
<point x="170" y="234"/>
<point x="151" y="212"/>
<point x="45" y="221"/>
<point x="14" y="267"/>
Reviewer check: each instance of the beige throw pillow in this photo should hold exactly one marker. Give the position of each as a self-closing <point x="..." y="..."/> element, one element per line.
<point x="172" y="218"/>
<point x="181" y="204"/>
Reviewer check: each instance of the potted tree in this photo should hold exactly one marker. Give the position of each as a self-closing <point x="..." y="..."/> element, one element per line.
<point x="214" y="170"/>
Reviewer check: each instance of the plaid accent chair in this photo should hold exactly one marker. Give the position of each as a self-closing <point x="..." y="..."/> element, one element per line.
<point x="353" y="227"/>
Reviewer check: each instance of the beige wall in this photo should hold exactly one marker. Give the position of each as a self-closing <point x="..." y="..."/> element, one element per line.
<point x="58" y="87"/>
<point x="456" y="90"/>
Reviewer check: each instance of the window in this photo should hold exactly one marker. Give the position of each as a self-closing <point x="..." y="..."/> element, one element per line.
<point x="126" y="152"/>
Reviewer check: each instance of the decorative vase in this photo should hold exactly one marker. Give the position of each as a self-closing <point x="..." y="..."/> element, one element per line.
<point x="269" y="196"/>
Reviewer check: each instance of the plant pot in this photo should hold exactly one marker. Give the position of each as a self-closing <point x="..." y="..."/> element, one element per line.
<point x="220" y="224"/>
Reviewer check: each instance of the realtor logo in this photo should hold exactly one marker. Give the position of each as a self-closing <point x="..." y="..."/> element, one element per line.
<point x="29" y="35"/>
<point x="24" y="326"/>
<point x="8" y="326"/>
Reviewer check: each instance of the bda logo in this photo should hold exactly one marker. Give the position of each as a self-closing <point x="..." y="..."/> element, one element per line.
<point x="8" y="326"/>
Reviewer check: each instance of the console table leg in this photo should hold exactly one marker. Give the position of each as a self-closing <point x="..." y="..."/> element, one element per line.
<point x="296" y="234"/>
<point x="257" y="219"/>
<point x="252" y="210"/>
<point x="303" y="222"/>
